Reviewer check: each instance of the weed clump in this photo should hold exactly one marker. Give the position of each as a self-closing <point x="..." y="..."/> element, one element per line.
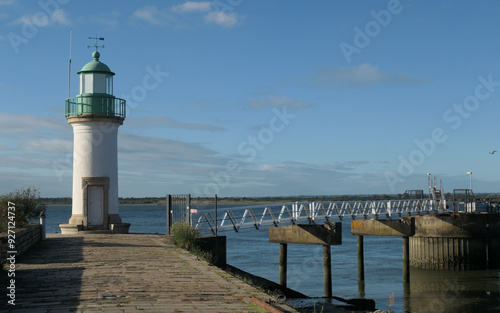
<point x="185" y="236"/>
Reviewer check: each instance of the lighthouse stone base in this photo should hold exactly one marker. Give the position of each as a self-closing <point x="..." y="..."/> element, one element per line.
<point x="118" y="228"/>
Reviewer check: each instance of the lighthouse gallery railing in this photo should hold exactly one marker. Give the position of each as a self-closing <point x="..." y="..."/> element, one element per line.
<point x="96" y="104"/>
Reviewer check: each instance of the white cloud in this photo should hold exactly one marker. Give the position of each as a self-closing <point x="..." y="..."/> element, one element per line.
<point x="158" y="16"/>
<point x="38" y="150"/>
<point x="192" y="6"/>
<point x="60" y="16"/>
<point x="149" y="13"/>
<point x="364" y="75"/>
<point x="40" y="19"/>
<point x="107" y="19"/>
<point x="28" y="124"/>
<point x="48" y="145"/>
<point x="275" y="101"/>
<point x="6" y="2"/>
<point x="30" y="146"/>
<point x="222" y="18"/>
<point x="140" y="150"/>
<point x="164" y="121"/>
<point x="159" y="164"/>
<point x="349" y="165"/>
<point x="297" y="178"/>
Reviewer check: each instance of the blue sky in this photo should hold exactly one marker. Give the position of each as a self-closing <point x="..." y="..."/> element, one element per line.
<point x="260" y="98"/>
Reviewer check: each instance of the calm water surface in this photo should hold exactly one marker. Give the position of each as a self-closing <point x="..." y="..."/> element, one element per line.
<point x="429" y="291"/>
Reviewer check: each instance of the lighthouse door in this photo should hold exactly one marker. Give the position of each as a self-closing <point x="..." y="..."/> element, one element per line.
<point x="95" y="205"/>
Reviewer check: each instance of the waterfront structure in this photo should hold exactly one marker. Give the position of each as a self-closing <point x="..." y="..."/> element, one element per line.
<point x="95" y="115"/>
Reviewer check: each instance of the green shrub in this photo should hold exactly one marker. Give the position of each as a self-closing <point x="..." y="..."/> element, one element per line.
<point x="28" y="207"/>
<point x="184" y="235"/>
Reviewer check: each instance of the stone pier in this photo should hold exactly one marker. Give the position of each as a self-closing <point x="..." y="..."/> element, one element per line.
<point x="124" y="273"/>
<point x="456" y="242"/>
<point x="468" y="241"/>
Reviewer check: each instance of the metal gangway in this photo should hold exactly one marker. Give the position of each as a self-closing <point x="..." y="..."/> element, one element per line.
<point x="317" y="212"/>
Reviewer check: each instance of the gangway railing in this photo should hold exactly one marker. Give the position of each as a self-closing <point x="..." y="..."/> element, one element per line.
<point x="317" y="212"/>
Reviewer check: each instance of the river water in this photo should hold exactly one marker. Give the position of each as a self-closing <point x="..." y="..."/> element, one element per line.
<point x="250" y="250"/>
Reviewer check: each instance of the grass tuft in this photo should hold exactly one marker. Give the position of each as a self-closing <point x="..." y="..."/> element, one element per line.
<point x="186" y="237"/>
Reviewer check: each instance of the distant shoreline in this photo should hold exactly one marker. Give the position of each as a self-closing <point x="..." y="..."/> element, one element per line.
<point x="264" y="200"/>
<point x="193" y="201"/>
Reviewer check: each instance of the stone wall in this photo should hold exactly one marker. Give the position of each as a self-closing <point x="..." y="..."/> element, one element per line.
<point x="25" y="238"/>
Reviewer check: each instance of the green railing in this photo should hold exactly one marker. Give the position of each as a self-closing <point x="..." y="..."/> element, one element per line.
<point x="95" y="104"/>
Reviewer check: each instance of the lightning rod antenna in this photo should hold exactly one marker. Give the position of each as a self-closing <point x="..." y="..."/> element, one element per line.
<point x="69" y="67"/>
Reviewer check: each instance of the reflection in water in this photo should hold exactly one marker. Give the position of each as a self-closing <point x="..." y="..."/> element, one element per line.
<point x="452" y="291"/>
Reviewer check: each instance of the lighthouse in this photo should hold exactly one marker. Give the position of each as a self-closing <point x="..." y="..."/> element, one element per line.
<point x="95" y="116"/>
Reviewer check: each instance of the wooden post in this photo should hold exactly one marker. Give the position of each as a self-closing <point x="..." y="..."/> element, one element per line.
<point x="283" y="261"/>
<point x="361" y="259"/>
<point x="406" y="259"/>
<point x="327" y="271"/>
<point x="361" y="267"/>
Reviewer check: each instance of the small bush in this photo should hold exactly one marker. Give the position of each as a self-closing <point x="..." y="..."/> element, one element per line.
<point x="184" y="235"/>
<point x="27" y="203"/>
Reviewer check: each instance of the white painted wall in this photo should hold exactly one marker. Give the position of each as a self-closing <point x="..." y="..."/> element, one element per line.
<point x="95" y="155"/>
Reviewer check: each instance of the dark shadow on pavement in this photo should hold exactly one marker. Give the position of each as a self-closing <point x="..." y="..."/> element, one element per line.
<point x="47" y="275"/>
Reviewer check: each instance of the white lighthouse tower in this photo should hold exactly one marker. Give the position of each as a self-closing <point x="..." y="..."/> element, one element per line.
<point x="95" y="115"/>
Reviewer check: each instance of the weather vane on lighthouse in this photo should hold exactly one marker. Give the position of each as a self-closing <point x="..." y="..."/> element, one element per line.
<point x="96" y="45"/>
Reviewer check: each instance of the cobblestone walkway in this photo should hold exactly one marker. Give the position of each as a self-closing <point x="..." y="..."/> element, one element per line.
<point x="122" y="273"/>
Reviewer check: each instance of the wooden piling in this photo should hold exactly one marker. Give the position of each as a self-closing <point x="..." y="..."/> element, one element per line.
<point x="326" y="235"/>
<point x="361" y="260"/>
<point x="361" y="289"/>
<point x="406" y="259"/>
<point x="327" y="270"/>
<point x="361" y="267"/>
<point x="283" y="263"/>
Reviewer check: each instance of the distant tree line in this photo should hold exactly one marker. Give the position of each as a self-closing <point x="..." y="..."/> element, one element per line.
<point x="130" y="200"/>
<point x="247" y="200"/>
